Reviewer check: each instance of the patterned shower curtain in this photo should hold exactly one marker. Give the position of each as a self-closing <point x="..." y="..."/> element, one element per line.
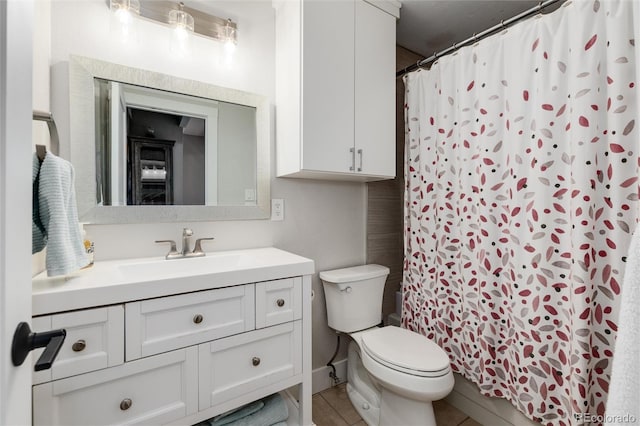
<point x="522" y="161"/>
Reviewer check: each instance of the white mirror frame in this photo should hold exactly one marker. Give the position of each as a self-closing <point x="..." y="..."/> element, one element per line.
<point x="82" y="146"/>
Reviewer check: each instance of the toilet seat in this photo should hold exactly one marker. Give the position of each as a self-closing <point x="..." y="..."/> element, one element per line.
<point x="405" y="351"/>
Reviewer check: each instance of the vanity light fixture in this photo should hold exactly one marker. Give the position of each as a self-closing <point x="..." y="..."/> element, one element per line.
<point x="181" y="17"/>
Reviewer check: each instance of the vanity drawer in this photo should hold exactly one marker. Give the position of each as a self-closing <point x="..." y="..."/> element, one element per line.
<point x="154" y="390"/>
<point x="278" y="301"/>
<point x="160" y="325"/>
<point x="236" y="365"/>
<point x="95" y="340"/>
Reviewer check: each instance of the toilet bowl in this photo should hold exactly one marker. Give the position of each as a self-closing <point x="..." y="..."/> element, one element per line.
<point x="393" y="373"/>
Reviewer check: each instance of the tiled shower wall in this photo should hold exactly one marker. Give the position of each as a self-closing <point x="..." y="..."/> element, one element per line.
<point x="385" y="203"/>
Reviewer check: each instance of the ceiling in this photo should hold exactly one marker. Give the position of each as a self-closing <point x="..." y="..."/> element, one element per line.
<point x="428" y="26"/>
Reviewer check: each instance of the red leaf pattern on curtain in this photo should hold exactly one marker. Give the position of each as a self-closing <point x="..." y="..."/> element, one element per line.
<point x="517" y="223"/>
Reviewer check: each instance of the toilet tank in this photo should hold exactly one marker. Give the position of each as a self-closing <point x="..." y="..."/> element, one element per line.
<point x="354" y="296"/>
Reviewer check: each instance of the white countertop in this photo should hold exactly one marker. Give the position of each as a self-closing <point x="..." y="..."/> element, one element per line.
<point x="119" y="281"/>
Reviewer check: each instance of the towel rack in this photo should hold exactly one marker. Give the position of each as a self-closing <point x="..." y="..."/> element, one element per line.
<point x="53" y="131"/>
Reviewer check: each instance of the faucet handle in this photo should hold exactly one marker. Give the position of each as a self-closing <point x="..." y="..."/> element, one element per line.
<point x="187" y="232"/>
<point x="198" y="247"/>
<point x="172" y="250"/>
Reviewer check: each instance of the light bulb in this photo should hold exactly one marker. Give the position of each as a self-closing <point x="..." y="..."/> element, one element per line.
<point x="229" y="46"/>
<point x="123" y="16"/>
<point x="181" y="33"/>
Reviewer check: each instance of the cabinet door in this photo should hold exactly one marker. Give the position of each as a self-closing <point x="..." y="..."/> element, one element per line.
<point x="375" y="50"/>
<point x="95" y="340"/>
<point x="234" y="366"/>
<point x="327" y="81"/>
<point x="155" y="390"/>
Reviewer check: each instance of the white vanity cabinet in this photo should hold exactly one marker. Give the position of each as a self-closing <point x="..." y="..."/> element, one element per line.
<point x="177" y="358"/>
<point x="335" y="89"/>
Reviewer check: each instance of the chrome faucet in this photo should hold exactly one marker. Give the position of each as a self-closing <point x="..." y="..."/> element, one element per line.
<point x="186" y="235"/>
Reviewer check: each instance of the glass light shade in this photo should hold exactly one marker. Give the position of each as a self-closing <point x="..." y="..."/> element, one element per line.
<point x="229" y="37"/>
<point x="181" y="21"/>
<point x="125" y="9"/>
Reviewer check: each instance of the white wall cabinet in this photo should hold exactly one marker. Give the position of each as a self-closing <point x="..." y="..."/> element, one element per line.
<point x="335" y="89"/>
<point x="188" y="356"/>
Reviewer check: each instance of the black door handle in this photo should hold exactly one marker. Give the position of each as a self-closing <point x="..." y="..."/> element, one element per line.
<point x="25" y="341"/>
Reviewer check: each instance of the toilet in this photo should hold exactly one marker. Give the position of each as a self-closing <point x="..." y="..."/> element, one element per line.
<point x="393" y="374"/>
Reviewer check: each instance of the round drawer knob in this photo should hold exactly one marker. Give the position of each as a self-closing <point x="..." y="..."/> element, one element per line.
<point x="280" y="302"/>
<point x="125" y="404"/>
<point x="79" y="346"/>
<point x="255" y="361"/>
<point x="197" y="319"/>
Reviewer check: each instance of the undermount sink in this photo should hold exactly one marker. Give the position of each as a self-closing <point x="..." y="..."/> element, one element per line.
<point x="210" y="264"/>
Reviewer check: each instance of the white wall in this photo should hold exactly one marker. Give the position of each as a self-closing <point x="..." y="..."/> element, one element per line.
<point x="323" y="220"/>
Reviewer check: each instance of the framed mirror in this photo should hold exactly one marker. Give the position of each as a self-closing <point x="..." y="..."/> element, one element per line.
<point x="149" y="147"/>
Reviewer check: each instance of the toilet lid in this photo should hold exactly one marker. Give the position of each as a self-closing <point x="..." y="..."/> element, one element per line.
<point x="406" y="351"/>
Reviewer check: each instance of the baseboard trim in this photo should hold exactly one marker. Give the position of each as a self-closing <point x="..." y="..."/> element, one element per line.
<point x="320" y="376"/>
<point x="485" y="410"/>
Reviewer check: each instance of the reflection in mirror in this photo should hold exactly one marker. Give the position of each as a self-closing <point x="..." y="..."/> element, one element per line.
<point x="156" y="147"/>
<point x="152" y="147"/>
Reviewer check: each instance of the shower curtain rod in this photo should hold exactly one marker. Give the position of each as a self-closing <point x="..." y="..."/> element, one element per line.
<point x="476" y="37"/>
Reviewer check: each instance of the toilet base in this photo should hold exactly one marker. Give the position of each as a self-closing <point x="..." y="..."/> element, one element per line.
<point x="397" y="410"/>
<point x="379" y="406"/>
<point x="362" y="392"/>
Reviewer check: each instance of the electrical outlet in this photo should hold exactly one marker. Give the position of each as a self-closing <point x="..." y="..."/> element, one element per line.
<point x="277" y="209"/>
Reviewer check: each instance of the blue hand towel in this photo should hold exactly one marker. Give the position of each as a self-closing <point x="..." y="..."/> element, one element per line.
<point x="274" y="411"/>
<point x="58" y="214"/>
<point x="238" y="413"/>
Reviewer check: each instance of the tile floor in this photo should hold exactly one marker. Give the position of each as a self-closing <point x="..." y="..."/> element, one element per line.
<point x="332" y="407"/>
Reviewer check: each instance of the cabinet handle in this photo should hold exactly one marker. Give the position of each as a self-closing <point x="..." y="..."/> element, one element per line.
<point x="79" y="346"/>
<point x="126" y="404"/>
<point x="353" y="159"/>
<point x="360" y="153"/>
<point x="255" y="361"/>
<point x="197" y="319"/>
<point x="280" y="302"/>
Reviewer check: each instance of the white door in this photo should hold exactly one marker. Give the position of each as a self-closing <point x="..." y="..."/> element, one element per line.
<point x="16" y="27"/>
